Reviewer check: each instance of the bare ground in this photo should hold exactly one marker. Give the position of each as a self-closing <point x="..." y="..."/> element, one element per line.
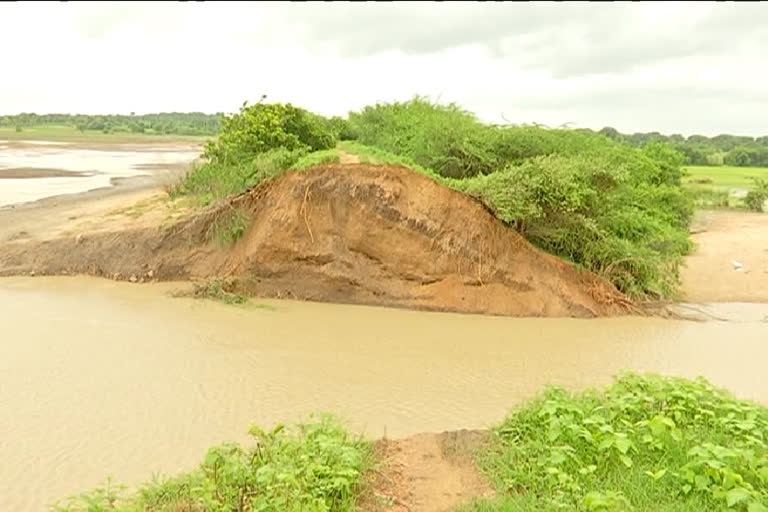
<point x="724" y="240"/>
<point x="426" y="473"/>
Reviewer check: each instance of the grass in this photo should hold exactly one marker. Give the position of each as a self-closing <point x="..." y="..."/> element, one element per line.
<point x="711" y="186"/>
<point x="724" y="177"/>
<point x="316" y="466"/>
<point x="645" y="442"/>
<point x="229" y="227"/>
<point x="218" y="289"/>
<point x="60" y="133"/>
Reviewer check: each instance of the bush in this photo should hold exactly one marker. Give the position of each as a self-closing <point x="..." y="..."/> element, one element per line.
<point x="758" y="195"/>
<point x="646" y="441"/>
<point x="314" y="467"/>
<point x="603" y="214"/>
<point x="216" y="179"/>
<point x="265" y="127"/>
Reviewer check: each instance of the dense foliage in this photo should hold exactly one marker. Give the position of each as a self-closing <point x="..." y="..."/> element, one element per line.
<point x="724" y="149"/>
<point x="645" y="443"/>
<point x="193" y="123"/>
<point x="264" y="127"/>
<point x="616" y="210"/>
<point x="258" y="143"/>
<point x="314" y="467"/>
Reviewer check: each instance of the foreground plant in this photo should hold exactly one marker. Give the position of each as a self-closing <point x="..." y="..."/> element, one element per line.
<point x="314" y="467"/>
<point x="644" y="443"/>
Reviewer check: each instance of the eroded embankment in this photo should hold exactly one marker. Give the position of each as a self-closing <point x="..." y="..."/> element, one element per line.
<point x="344" y="233"/>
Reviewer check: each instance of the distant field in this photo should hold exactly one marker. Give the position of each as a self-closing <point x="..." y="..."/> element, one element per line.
<point x="713" y="187"/>
<point x="72" y="134"/>
<point x="724" y="176"/>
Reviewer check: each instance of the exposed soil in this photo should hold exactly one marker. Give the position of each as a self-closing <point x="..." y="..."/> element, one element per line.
<point x="730" y="263"/>
<point x="353" y="233"/>
<point x="426" y="473"/>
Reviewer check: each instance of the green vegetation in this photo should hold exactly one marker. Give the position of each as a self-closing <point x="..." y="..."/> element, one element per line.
<point x="613" y="209"/>
<point x="258" y="143"/>
<point x="172" y="123"/>
<point x="712" y="186"/>
<point x="644" y="443"/>
<point x="218" y="289"/>
<point x="314" y="467"/>
<point x="731" y="150"/>
<point x="229" y="227"/>
<point x="756" y="198"/>
<point x="724" y="176"/>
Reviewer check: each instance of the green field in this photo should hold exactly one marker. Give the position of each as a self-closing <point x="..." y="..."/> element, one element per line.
<point x="724" y="176"/>
<point x="711" y="186"/>
<point x="63" y="133"/>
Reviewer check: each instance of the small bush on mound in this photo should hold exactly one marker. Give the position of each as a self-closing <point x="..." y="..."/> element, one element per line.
<point x="258" y="143"/>
<point x="644" y="443"/>
<point x="313" y="467"/>
<point x="263" y="127"/>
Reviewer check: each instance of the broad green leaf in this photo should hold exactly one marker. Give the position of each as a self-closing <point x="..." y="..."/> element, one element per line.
<point x="626" y="460"/>
<point x="737" y="495"/>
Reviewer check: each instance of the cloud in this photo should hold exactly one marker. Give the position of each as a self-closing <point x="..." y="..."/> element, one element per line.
<point x="685" y="67"/>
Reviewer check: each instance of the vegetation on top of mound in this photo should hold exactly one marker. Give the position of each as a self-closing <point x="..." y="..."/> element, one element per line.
<point x="644" y="443"/>
<point x="613" y="209"/>
<point x="616" y="210"/>
<point x="313" y="467"/>
<point x="264" y="127"/>
<point x="258" y="143"/>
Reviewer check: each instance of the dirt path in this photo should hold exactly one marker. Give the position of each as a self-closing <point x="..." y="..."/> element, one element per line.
<point x="724" y="240"/>
<point x="427" y="473"/>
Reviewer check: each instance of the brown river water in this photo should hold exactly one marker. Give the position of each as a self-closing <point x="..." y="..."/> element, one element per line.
<point x="104" y="378"/>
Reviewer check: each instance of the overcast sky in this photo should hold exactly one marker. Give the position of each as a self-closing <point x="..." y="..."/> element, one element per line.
<point x="657" y="66"/>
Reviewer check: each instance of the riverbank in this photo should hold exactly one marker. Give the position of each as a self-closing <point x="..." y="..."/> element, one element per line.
<point x="334" y="233"/>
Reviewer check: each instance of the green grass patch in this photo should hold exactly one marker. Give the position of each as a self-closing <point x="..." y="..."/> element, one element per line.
<point x="325" y="156"/>
<point x="645" y="442"/>
<point x="217" y="289"/>
<point x="724" y="176"/>
<point x="315" y="466"/>
<point x="229" y="227"/>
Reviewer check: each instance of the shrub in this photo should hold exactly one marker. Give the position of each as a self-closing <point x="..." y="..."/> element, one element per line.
<point x="646" y="441"/>
<point x="314" y="467"/>
<point x="758" y="195"/>
<point x="268" y="126"/>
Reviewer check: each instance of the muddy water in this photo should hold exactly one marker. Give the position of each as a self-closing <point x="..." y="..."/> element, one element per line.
<point x="100" y="166"/>
<point x="99" y="377"/>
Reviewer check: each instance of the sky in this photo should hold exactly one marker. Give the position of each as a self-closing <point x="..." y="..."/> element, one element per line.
<point x="688" y="68"/>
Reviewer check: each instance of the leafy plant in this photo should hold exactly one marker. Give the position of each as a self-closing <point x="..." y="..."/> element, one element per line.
<point x="758" y="195"/>
<point x="229" y="227"/>
<point x="315" y="466"/>
<point x="646" y="441"/>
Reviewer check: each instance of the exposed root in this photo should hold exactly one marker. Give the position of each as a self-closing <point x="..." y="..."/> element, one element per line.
<point x="303" y="211"/>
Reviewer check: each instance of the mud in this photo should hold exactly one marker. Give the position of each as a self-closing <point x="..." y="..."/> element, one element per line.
<point x="352" y="233"/>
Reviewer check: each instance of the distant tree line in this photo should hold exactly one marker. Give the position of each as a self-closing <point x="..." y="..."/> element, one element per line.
<point x="176" y="123"/>
<point x="737" y="150"/>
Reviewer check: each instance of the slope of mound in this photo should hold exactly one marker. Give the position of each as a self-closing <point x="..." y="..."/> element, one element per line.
<point x="348" y="233"/>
